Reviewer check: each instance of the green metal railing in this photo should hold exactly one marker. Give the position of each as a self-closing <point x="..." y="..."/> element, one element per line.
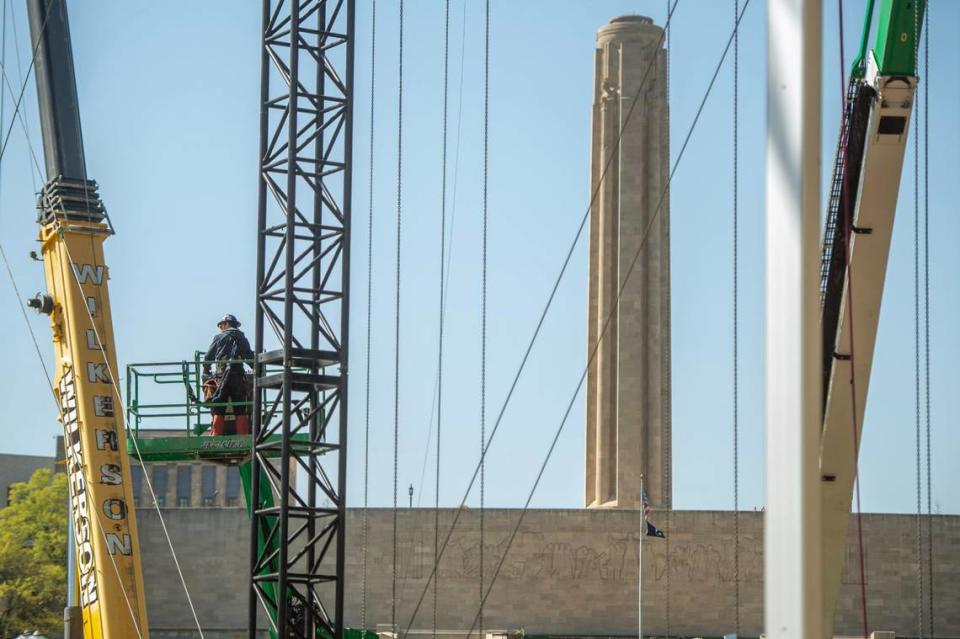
<point x="143" y="378"/>
<point x="143" y="383"/>
<point x="171" y="393"/>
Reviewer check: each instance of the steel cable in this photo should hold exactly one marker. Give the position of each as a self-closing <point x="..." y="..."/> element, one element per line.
<point x="34" y="166"/>
<point x="443" y="249"/>
<point x="736" y="324"/>
<point x="616" y="303"/>
<point x="116" y="388"/>
<point x="539" y="325"/>
<point x="916" y="339"/>
<point x="848" y="225"/>
<point x="483" y="293"/>
<point x="446" y="282"/>
<point x="23" y="89"/>
<point x="49" y="378"/>
<point x="16" y="288"/>
<point x="665" y="450"/>
<point x="396" y="355"/>
<point x="926" y="302"/>
<point x="136" y="445"/>
<point x="669" y="535"/>
<point x="16" y="113"/>
<point x="446" y="278"/>
<point x="366" y="414"/>
<point x="46" y="371"/>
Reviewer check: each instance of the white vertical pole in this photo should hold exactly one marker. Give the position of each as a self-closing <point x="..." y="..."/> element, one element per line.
<point x="792" y="412"/>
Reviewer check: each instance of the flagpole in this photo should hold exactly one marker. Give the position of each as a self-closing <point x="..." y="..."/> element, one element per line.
<point x="643" y="530"/>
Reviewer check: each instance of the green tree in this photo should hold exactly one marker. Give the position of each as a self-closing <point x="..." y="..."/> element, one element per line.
<point x="33" y="555"/>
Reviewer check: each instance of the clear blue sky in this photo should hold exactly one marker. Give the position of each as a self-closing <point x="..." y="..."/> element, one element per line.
<point x="169" y="93"/>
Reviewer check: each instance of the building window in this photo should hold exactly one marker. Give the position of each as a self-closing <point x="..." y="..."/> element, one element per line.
<point x="209" y="485"/>
<point x="184" y="474"/>
<point x="233" y="486"/>
<point x="160" y="485"/>
<point x="136" y="474"/>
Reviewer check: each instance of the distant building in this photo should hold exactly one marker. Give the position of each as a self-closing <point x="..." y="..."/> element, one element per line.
<point x="569" y="573"/>
<point x="185" y="484"/>
<point x="19" y="468"/>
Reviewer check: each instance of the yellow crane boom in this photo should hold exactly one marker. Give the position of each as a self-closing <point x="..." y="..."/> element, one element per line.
<point x="74" y="225"/>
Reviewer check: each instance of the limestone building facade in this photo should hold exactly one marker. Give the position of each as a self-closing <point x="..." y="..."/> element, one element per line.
<point x="184" y="484"/>
<point x="187" y="485"/>
<point x="568" y="572"/>
<point x="19" y="468"/>
<point x="628" y="381"/>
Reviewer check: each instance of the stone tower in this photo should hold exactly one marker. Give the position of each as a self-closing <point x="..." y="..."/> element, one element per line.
<point x="628" y="392"/>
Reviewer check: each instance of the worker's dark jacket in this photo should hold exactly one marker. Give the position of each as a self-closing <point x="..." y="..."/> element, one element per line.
<point x="229" y="344"/>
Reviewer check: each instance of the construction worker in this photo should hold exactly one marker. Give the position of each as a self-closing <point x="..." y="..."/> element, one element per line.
<point x="228" y="383"/>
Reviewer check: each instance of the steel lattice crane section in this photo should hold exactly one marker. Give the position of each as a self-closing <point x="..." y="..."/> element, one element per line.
<point x="298" y="482"/>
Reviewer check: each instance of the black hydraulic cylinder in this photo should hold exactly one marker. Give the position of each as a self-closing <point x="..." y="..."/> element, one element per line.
<point x="57" y="90"/>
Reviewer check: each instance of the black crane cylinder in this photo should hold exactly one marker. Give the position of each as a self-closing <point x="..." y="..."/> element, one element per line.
<point x="56" y="90"/>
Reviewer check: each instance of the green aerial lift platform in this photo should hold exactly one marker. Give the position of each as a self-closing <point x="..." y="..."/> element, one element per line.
<point x="165" y="397"/>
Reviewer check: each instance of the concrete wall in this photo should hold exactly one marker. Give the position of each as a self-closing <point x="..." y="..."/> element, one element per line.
<point x="214" y="553"/>
<point x="568" y="572"/>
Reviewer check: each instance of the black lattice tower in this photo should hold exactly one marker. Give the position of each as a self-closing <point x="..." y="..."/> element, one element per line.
<point x="298" y="479"/>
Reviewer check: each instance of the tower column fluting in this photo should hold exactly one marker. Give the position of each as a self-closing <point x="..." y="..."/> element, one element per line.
<point x="628" y="392"/>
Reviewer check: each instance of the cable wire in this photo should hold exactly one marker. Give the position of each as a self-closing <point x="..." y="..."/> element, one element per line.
<point x="446" y="271"/>
<point x="34" y="168"/>
<point x="848" y="225"/>
<point x="49" y="378"/>
<point x="13" y="282"/>
<point x="606" y="324"/>
<point x="443" y="249"/>
<point x="607" y="321"/>
<point x="547" y="306"/>
<point x="396" y="361"/>
<point x="483" y="293"/>
<point x="116" y="388"/>
<point x="669" y="535"/>
<point x="23" y="86"/>
<point x="450" y="237"/>
<point x="736" y="324"/>
<point x="102" y="526"/>
<point x="136" y="445"/>
<point x="366" y="413"/>
<point x="665" y="449"/>
<point x="18" y="114"/>
<point x="926" y="301"/>
<point x="843" y="79"/>
<point x="916" y="337"/>
<point x="3" y="254"/>
<point x="46" y="372"/>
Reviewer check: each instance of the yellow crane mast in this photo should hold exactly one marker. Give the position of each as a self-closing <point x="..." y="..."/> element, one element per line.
<point x="73" y="227"/>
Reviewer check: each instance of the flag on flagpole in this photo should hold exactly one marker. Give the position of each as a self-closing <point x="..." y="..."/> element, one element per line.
<point x="651" y="530"/>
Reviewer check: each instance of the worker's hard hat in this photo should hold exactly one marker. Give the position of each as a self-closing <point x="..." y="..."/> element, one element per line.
<point x="229" y="319"/>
